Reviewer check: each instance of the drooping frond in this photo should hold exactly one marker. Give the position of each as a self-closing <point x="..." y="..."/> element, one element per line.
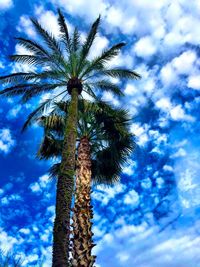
<point x="121" y="73"/>
<point x="16" y="77"/>
<point x="30" y="59"/>
<point x="28" y="90"/>
<point x="88" y="89"/>
<point x="50" y="147"/>
<point x="34" y="77"/>
<point x="54" y="170"/>
<point x="39" y="89"/>
<point x="106" y="85"/>
<point x="53" y="122"/>
<point x="32" y="46"/>
<point x="16" y="90"/>
<point x="36" y="113"/>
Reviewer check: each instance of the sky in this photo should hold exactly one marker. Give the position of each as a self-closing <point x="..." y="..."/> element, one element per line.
<point x="152" y="217"/>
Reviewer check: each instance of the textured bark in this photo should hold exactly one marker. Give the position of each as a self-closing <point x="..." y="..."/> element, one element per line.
<point x="82" y="226"/>
<point x="65" y="187"/>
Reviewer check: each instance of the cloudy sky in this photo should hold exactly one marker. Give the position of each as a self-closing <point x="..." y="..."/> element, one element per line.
<point x="151" y="218"/>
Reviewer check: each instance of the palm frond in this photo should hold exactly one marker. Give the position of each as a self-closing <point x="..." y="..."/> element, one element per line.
<point x="99" y="62"/>
<point x="88" y="43"/>
<point x="121" y="73"/>
<point x="50" y="147"/>
<point x="53" y="122"/>
<point x="16" y="90"/>
<point x="39" y="89"/>
<point x="30" y="59"/>
<point x="75" y="40"/>
<point x="64" y="31"/>
<point x="36" y="113"/>
<point x="106" y="85"/>
<point x="16" y="77"/>
<point x="47" y="37"/>
<point x="88" y="89"/>
<point x="32" y="46"/>
<point x="56" y="59"/>
<point x="28" y="76"/>
<point x="54" y="171"/>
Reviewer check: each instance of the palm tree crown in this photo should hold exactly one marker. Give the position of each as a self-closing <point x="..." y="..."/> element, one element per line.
<point x="107" y="130"/>
<point x="62" y="65"/>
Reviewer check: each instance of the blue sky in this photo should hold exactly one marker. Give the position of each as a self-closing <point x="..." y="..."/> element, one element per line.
<point x="151" y="218"/>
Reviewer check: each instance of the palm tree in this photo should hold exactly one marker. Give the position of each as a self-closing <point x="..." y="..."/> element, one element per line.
<point x="104" y="144"/>
<point x="63" y="68"/>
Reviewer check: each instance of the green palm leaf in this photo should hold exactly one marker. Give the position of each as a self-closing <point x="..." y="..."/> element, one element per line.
<point x="121" y="73"/>
<point x="30" y="59"/>
<point x="64" y="31"/>
<point x="88" y="43"/>
<point x="47" y="37"/>
<point x="32" y="46"/>
<point x="106" y="85"/>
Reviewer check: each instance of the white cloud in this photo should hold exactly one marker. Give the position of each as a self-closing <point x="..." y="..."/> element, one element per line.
<point x="1" y="65"/>
<point x="132" y="198"/>
<point x="48" y="20"/>
<point x="194" y="82"/>
<point x="104" y="193"/>
<point x="82" y="8"/>
<point x="178" y="113"/>
<point x="123" y="256"/>
<point x="35" y="187"/>
<point x="12" y="113"/>
<point x="168" y="75"/>
<point x="184" y="63"/>
<point x="30" y="258"/>
<point x="5" y="4"/>
<point x="122" y="60"/>
<point x="25" y="231"/>
<point x="6" y="140"/>
<point x="130" y="89"/>
<point x="164" y="104"/>
<point x="180" y="153"/>
<point x="145" y="47"/>
<point x="115" y="17"/>
<point x="141" y="132"/>
<point x="109" y="97"/>
<point x="13" y="197"/>
<point x="39" y="186"/>
<point x="167" y="168"/>
<point x="148" y="247"/>
<point x="25" y="26"/>
<point x="146" y="183"/>
<point x="129" y="167"/>
<point x="100" y="43"/>
<point x="187" y="171"/>
<point x="6" y="241"/>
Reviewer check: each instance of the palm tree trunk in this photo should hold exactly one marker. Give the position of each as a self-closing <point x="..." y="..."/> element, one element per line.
<point x="65" y="187"/>
<point x="82" y="226"/>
